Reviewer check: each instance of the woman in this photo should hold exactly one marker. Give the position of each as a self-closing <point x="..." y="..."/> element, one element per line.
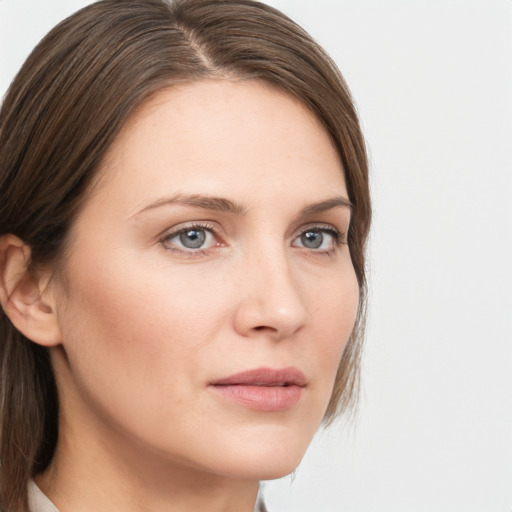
<point x="183" y="215"/>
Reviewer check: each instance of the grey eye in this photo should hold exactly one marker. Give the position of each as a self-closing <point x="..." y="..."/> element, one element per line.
<point x="318" y="239"/>
<point x="312" y="239"/>
<point x="193" y="238"/>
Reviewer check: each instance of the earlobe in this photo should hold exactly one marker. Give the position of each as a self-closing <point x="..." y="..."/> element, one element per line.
<point x="21" y="294"/>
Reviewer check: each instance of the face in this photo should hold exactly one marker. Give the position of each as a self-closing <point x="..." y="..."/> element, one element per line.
<point x="208" y="290"/>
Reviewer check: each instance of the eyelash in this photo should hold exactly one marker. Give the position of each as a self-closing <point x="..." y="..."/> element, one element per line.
<point x="339" y="238"/>
<point x="192" y="253"/>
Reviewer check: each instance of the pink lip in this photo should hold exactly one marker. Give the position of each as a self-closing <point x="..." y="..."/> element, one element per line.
<point x="263" y="389"/>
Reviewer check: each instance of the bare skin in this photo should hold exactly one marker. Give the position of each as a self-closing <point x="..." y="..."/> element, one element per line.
<point x="213" y="244"/>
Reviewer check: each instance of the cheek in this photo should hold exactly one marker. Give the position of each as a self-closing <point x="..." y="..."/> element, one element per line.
<point x="333" y="317"/>
<point x="144" y="324"/>
<point x="139" y="349"/>
<point x="129" y="311"/>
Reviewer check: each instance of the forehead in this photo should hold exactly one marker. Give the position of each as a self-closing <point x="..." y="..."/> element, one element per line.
<point x="223" y="137"/>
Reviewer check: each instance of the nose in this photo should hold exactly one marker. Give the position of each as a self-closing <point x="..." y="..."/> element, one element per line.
<point x="272" y="302"/>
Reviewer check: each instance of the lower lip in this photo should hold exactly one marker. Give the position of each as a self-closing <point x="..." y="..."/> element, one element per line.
<point x="261" y="398"/>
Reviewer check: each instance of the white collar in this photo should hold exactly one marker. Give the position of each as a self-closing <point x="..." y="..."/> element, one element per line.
<point x="37" y="501"/>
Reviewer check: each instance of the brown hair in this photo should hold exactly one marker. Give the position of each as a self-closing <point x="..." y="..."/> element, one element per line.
<point x="63" y="111"/>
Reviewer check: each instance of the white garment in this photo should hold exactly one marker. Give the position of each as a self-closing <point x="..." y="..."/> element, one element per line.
<point x="38" y="502"/>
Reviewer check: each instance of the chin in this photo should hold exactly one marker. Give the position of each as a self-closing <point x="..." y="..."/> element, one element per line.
<point x="264" y="457"/>
<point x="265" y="468"/>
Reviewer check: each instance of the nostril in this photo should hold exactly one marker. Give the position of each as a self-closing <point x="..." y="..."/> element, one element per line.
<point x="264" y="327"/>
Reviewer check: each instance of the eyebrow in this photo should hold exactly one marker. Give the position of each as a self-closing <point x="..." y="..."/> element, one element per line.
<point x="221" y="204"/>
<point x="323" y="206"/>
<point x="218" y="204"/>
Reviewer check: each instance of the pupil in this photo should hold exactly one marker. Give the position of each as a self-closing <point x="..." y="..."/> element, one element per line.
<point x="193" y="238"/>
<point x="312" y="239"/>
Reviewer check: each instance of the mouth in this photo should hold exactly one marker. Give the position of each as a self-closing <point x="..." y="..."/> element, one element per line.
<point x="263" y="389"/>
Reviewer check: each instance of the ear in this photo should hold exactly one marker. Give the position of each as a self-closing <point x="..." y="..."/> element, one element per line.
<point x="23" y="294"/>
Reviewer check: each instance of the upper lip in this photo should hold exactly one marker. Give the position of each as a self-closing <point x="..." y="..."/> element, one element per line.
<point x="290" y="376"/>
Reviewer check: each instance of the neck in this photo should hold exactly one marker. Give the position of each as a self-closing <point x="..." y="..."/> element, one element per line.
<point x="90" y="484"/>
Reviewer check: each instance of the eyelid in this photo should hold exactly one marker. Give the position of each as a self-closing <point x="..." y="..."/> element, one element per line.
<point x="322" y="226"/>
<point x="337" y="237"/>
<point x="185" y="226"/>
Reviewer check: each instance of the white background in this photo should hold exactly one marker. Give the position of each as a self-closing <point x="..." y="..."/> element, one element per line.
<point x="433" y="84"/>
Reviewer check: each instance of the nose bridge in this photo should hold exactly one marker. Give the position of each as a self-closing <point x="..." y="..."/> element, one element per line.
<point x="272" y="298"/>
